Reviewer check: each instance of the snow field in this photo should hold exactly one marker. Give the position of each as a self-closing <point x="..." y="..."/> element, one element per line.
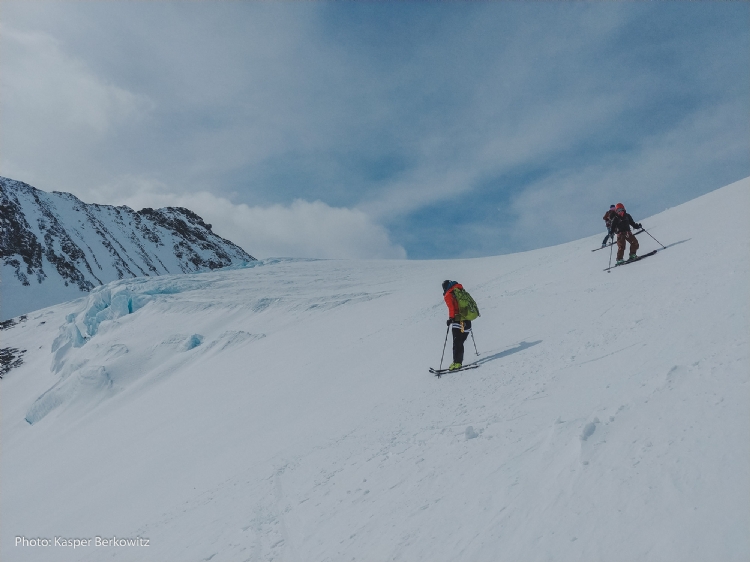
<point x="285" y="412"/>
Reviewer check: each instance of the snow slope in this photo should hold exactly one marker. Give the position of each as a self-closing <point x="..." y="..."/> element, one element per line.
<point x="284" y="411"/>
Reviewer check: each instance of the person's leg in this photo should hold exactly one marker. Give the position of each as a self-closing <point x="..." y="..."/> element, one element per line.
<point x="620" y="245"/>
<point x="459" y="338"/>
<point x="633" y="243"/>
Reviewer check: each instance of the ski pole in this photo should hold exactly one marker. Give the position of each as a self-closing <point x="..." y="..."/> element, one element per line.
<point x="611" y="247"/>
<point x="660" y="244"/>
<point x="444" y="343"/>
<point x="475" y="342"/>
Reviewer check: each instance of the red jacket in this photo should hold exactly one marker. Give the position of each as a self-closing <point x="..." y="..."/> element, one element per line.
<point x="451" y="301"/>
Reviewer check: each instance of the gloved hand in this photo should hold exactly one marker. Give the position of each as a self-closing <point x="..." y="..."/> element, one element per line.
<point x="639" y="226"/>
<point x="449" y="322"/>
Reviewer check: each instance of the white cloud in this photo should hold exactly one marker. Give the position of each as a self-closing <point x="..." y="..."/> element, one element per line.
<point x="657" y="174"/>
<point x="442" y="177"/>
<point x="303" y="229"/>
<point x="56" y="109"/>
<point x="527" y="106"/>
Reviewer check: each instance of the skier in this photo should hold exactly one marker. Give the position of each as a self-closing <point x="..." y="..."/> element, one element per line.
<point x="460" y="328"/>
<point x="608" y="216"/>
<point x="621" y="224"/>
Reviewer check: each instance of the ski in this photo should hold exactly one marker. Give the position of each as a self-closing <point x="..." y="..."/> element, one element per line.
<point x="639" y="258"/>
<point x="612" y="243"/>
<point x="439" y="372"/>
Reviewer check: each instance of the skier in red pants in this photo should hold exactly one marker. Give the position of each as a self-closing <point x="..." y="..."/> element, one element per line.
<point x="621" y="224"/>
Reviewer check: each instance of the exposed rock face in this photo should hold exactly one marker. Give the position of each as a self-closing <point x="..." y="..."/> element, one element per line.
<point x="54" y="247"/>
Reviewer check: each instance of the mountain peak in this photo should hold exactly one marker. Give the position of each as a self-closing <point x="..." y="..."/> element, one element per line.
<point x="55" y="247"/>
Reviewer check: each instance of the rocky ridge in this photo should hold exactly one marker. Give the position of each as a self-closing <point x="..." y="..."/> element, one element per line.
<point x="54" y="247"/>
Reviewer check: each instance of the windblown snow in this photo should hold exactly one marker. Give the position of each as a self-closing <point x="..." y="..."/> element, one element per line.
<point x="284" y="411"/>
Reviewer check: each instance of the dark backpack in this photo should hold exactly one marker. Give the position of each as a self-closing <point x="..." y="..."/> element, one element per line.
<point x="467" y="306"/>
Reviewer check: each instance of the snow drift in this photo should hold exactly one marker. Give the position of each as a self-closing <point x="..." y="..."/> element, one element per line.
<point x="284" y="411"/>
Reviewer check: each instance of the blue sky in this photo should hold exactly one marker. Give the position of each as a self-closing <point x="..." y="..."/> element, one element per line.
<point x="369" y="129"/>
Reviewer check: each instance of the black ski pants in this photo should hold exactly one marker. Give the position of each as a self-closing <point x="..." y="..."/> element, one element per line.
<point x="459" y="337"/>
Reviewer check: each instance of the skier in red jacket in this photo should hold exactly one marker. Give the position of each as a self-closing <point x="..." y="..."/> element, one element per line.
<point x="621" y="224"/>
<point x="460" y="329"/>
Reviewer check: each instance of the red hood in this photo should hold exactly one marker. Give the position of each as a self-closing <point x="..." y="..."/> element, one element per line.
<point x="451" y="301"/>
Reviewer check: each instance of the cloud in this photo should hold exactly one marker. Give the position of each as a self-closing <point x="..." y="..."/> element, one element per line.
<point x="409" y="116"/>
<point x="494" y="111"/>
<point x="56" y="110"/>
<point x="302" y="229"/>
<point x="653" y="176"/>
<point x="513" y="141"/>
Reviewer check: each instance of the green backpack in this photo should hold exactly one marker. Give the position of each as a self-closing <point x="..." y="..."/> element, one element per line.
<point x="467" y="307"/>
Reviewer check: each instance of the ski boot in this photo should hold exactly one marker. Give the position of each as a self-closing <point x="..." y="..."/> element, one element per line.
<point x="619" y="262"/>
<point x="454" y="366"/>
<point x="632" y="257"/>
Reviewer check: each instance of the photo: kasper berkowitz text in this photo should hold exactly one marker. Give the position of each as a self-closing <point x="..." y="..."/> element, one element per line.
<point x="78" y="542"/>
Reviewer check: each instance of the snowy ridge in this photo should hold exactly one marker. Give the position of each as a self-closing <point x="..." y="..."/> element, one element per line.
<point x="285" y="411"/>
<point x="55" y="247"/>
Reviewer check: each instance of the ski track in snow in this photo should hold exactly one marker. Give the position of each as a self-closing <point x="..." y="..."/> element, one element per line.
<point x="284" y="411"/>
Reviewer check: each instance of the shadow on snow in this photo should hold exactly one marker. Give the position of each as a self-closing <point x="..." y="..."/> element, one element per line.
<point x="675" y="243"/>
<point x="520" y="347"/>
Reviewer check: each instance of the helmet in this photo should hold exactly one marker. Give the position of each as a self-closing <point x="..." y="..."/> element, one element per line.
<point x="446" y="285"/>
<point x="619" y="208"/>
<point x="611" y="206"/>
